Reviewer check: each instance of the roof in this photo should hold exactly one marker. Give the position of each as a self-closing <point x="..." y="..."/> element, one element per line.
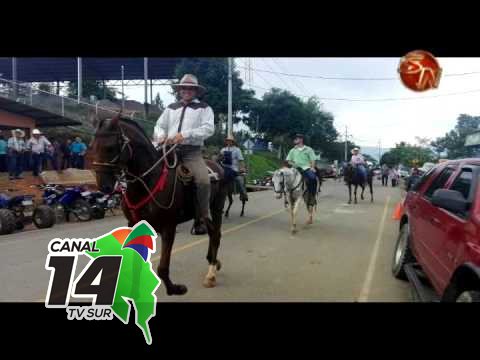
<point x="65" y="69"/>
<point x="42" y="118"/>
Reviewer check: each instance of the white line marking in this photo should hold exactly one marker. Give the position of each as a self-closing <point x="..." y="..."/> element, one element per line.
<point x="373" y="259"/>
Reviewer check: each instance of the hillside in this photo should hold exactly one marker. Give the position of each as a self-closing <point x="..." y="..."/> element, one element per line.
<point x="260" y="163"/>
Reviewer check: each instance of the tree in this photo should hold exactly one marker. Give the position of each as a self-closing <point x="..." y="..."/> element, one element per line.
<point x="92" y="87"/>
<point x="454" y="141"/>
<point x="159" y="102"/>
<point x="408" y="155"/>
<point x="47" y="87"/>
<point x="212" y="73"/>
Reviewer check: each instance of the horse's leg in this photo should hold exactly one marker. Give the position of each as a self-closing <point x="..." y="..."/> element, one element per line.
<point x="363" y="190"/>
<point x="355" y="193"/>
<point x="294" y="214"/>
<point x="168" y="237"/>
<point x="349" y="193"/>
<point x="214" y="235"/>
<point x="230" y="202"/>
<point x="243" y="208"/>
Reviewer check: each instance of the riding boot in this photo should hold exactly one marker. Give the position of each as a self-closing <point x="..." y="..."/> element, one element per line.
<point x="203" y="212"/>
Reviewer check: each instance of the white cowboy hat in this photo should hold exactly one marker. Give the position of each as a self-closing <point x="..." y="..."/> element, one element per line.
<point x="36" y="132"/>
<point x="189" y="80"/>
<point x="22" y="133"/>
<point x="355" y="149"/>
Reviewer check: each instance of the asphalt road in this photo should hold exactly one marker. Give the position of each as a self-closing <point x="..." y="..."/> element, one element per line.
<point x="344" y="256"/>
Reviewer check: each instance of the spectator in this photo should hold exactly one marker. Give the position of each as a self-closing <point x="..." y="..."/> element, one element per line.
<point x="394" y="176"/>
<point x="52" y="154"/>
<point x="3" y="153"/>
<point x="16" y="148"/>
<point x="385" y="172"/>
<point x="78" y="149"/>
<point x="66" y="154"/>
<point x="38" y="145"/>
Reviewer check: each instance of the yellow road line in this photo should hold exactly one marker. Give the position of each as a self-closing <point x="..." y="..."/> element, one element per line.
<point x="373" y="259"/>
<point x="232" y="229"/>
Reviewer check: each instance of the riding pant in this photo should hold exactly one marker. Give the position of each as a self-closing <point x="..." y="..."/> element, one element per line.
<point x="311" y="178"/>
<point x="192" y="158"/>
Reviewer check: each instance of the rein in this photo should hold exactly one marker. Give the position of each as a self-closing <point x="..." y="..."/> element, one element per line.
<point x="160" y="184"/>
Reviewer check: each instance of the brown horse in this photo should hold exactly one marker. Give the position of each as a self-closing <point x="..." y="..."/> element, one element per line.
<point x="353" y="177"/>
<point x="155" y="192"/>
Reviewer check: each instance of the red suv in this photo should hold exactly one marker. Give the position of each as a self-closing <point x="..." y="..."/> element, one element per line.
<point x="439" y="239"/>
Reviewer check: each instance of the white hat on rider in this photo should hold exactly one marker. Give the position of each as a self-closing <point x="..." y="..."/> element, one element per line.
<point x="191" y="81"/>
<point x="36" y="132"/>
<point x="355" y="149"/>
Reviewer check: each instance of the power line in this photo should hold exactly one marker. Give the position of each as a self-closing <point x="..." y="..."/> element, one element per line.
<point x="383" y="99"/>
<point x="296" y="81"/>
<point x="351" y="78"/>
<point x="276" y="74"/>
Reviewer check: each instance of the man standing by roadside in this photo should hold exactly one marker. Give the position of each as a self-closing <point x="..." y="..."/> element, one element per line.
<point x="78" y="149"/>
<point x="234" y="163"/>
<point x="385" y="172"/>
<point x="16" y="148"/>
<point x="66" y="154"/>
<point x="38" y="145"/>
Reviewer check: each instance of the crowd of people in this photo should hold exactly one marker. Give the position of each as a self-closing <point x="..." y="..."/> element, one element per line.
<point x="18" y="154"/>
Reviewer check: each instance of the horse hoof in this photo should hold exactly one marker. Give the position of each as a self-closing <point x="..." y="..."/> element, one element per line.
<point x="309" y="222"/>
<point x="219" y="265"/>
<point x="177" y="290"/>
<point x="294" y="231"/>
<point x="210" y="283"/>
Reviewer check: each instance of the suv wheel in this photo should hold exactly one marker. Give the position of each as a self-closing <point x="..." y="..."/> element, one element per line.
<point x="469" y="296"/>
<point x="402" y="254"/>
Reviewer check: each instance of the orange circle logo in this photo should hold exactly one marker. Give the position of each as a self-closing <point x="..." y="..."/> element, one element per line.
<point x="419" y="71"/>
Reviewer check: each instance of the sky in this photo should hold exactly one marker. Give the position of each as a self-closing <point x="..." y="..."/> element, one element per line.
<point x="369" y="123"/>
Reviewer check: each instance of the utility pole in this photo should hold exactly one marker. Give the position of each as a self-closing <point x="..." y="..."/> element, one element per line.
<point x="346" y="143"/>
<point x="123" y="90"/>
<point x="379" y="151"/>
<point x="229" y="126"/>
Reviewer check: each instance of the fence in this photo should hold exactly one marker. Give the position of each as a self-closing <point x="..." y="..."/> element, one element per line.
<point x="82" y="111"/>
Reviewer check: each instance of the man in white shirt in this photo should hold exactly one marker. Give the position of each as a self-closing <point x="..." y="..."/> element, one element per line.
<point x="188" y="123"/>
<point x="38" y="145"/>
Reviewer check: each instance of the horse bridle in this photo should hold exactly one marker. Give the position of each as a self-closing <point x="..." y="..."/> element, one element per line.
<point x="114" y="163"/>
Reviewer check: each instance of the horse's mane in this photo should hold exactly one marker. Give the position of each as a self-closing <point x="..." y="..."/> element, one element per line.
<point x="140" y="129"/>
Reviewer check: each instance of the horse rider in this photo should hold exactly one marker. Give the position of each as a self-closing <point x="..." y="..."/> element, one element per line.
<point x="234" y="164"/>
<point x="359" y="162"/>
<point x="188" y="123"/>
<point x="303" y="157"/>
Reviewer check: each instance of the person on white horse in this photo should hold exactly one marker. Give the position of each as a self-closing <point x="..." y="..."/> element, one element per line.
<point x="288" y="180"/>
<point x="303" y="157"/>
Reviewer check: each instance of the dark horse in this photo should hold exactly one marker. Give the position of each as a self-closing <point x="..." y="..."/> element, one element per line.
<point x="352" y="176"/>
<point x="121" y="148"/>
<point x="231" y="188"/>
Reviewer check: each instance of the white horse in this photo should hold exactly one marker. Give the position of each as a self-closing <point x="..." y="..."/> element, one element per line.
<point x="288" y="182"/>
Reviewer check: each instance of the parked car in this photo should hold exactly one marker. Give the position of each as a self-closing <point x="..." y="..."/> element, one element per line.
<point x="403" y="171"/>
<point x="438" y="245"/>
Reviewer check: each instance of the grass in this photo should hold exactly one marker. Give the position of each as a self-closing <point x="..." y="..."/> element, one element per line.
<point x="259" y="163"/>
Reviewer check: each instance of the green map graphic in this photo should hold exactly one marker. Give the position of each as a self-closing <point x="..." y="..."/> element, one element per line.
<point x="136" y="280"/>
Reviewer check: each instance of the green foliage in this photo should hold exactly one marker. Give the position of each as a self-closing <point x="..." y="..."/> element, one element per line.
<point x="407" y="155"/>
<point x="260" y="163"/>
<point x="92" y="87"/>
<point x="212" y="73"/>
<point x="454" y="141"/>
